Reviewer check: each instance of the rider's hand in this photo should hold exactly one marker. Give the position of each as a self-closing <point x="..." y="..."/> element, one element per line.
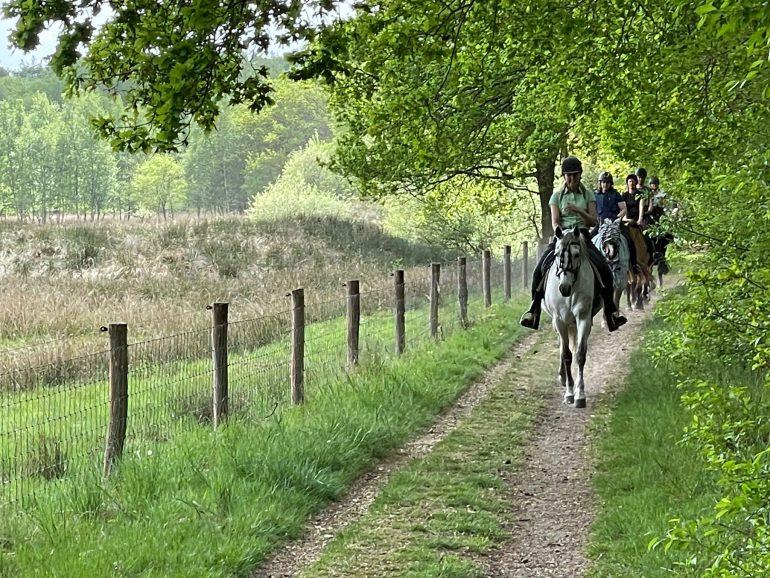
<point x="571" y="207"/>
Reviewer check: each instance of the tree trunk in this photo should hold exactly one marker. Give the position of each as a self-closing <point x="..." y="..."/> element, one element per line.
<point x="545" y="171"/>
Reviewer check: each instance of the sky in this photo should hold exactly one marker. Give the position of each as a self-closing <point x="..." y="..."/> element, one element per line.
<point x="13" y="58"/>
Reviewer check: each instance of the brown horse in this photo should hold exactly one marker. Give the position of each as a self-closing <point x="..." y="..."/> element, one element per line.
<point x="641" y="281"/>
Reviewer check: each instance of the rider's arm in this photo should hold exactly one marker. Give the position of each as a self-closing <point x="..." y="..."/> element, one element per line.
<point x="641" y="214"/>
<point x="555" y="216"/>
<point x="589" y="217"/>
<point x="593" y="216"/>
<point x="623" y="210"/>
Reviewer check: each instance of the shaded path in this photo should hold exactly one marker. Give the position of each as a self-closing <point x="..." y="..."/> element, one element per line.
<point x="551" y="491"/>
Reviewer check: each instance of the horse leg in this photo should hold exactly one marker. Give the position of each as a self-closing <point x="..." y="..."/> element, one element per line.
<point x="583" y="332"/>
<point x="639" y="292"/>
<point x="660" y="278"/>
<point x="629" y="290"/>
<point x="565" y="368"/>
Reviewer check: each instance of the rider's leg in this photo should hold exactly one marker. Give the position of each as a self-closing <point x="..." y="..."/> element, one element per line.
<point x="611" y="315"/>
<point x="531" y="318"/>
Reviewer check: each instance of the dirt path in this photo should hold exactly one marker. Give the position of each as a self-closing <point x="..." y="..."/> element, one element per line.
<point x="299" y="554"/>
<point x="551" y="491"/>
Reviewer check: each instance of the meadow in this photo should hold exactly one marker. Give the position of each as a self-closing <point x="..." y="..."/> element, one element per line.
<point x="71" y="279"/>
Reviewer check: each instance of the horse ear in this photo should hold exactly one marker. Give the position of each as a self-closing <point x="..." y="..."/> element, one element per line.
<point x="576" y="230"/>
<point x="558" y="233"/>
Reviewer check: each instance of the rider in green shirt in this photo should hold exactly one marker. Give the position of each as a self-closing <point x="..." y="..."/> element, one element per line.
<point x="573" y="204"/>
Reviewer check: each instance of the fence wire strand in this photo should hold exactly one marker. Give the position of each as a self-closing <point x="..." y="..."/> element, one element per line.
<point x="55" y="401"/>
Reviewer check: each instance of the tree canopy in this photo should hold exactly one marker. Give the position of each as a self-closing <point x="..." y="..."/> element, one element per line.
<point x="487" y="96"/>
<point x="173" y="62"/>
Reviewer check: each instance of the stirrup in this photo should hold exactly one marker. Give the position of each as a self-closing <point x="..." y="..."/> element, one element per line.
<point x="530" y="320"/>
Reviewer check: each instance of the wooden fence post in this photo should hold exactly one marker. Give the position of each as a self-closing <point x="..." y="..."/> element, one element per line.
<point x="525" y="264"/>
<point x="219" y="354"/>
<point x="400" y="311"/>
<point x="116" y="433"/>
<point x="354" y="321"/>
<point x="297" y="346"/>
<point x="435" y="276"/>
<point x="507" y="274"/>
<point x="486" y="273"/>
<point x="462" y="290"/>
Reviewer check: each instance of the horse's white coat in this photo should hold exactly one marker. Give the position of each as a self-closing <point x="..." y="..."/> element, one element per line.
<point x="569" y="296"/>
<point x="610" y="241"/>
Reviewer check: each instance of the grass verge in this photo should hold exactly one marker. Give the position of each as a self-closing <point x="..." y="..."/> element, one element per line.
<point x="438" y="516"/>
<point x="646" y="475"/>
<point x="215" y="503"/>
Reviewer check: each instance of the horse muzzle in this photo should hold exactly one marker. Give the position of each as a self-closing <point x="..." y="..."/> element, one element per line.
<point x="565" y="289"/>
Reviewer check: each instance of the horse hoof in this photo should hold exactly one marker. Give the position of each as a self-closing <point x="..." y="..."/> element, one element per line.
<point x="569" y="399"/>
<point x="579" y="403"/>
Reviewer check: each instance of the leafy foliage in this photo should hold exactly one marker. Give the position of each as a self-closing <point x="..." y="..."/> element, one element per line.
<point x="173" y="63"/>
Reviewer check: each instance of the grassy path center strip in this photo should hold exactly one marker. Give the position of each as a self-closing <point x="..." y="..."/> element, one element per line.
<point x="440" y="514"/>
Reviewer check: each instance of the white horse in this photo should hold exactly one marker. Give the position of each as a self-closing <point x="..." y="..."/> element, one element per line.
<point x="611" y="242"/>
<point x="572" y="301"/>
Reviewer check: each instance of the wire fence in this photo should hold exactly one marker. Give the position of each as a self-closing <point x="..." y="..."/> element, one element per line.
<point x="64" y="415"/>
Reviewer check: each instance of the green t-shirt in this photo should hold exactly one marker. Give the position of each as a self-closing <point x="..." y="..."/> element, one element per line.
<point x="563" y="197"/>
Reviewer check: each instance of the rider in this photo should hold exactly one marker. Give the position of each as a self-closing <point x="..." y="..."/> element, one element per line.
<point x="633" y="199"/>
<point x="659" y="197"/>
<point x="657" y="207"/>
<point x="610" y="205"/>
<point x="571" y="205"/>
<point x="644" y="190"/>
<point x="635" y="205"/>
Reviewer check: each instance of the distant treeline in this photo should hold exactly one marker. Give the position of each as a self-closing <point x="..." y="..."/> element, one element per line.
<point x="53" y="165"/>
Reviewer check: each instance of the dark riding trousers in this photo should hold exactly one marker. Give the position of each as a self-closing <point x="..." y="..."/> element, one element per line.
<point x="596" y="257"/>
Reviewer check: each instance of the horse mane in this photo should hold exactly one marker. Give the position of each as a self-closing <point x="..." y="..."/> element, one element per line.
<point x="609" y="231"/>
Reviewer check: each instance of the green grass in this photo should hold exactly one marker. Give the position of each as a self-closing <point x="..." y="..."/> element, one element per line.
<point x="215" y="503"/>
<point x="169" y="398"/>
<point x="439" y="514"/>
<point x="645" y="476"/>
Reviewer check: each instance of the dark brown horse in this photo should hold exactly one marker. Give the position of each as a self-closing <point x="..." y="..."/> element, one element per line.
<point x="660" y="242"/>
<point x="640" y="281"/>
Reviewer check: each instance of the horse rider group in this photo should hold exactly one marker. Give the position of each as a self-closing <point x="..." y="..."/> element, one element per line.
<point x="574" y="204"/>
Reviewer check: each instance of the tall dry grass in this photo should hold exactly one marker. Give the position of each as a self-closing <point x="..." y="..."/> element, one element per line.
<point x="62" y="283"/>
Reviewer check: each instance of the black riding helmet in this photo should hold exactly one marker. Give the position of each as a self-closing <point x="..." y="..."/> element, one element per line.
<point x="654" y="181"/>
<point x="571" y="166"/>
<point x="606" y="177"/>
<point x="632" y="177"/>
<point x="641" y="173"/>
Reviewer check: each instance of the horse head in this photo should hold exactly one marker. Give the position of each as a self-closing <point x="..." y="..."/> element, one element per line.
<point x="609" y="237"/>
<point x="569" y="252"/>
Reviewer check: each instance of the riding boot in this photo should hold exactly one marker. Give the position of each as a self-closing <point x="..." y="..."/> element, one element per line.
<point x="612" y="317"/>
<point x="531" y="319"/>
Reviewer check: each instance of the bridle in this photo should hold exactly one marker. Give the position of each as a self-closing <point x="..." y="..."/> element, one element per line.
<point x="566" y="263"/>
